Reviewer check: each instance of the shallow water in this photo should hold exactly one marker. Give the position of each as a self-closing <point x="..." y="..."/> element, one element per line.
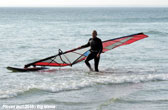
<point x="132" y="77"/>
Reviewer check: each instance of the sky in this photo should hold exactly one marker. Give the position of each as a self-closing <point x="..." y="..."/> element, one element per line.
<point x="83" y="3"/>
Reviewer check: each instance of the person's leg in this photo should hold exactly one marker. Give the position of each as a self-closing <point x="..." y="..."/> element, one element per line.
<point x="96" y="59"/>
<point x="90" y="57"/>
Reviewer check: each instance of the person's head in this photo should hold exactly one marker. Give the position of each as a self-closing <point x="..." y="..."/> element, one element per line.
<point x="94" y="34"/>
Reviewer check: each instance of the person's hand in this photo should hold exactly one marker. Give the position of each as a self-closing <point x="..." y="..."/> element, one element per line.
<point x="98" y="55"/>
<point x="73" y="49"/>
<point x="79" y="47"/>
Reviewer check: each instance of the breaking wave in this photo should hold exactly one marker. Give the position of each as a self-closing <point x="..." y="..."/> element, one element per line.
<point x="83" y="82"/>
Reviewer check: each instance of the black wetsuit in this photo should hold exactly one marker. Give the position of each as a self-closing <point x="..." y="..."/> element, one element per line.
<point x="96" y="47"/>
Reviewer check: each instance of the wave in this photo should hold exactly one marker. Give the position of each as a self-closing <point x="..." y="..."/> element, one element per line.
<point x="53" y="101"/>
<point x="87" y="35"/>
<point x="16" y="92"/>
<point x="157" y="33"/>
<point x="81" y="83"/>
<point x="142" y="101"/>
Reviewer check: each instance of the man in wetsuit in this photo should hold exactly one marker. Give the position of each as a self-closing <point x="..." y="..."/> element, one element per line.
<point x="96" y="49"/>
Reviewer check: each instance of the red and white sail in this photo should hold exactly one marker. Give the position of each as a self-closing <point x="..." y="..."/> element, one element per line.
<point x="74" y="56"/>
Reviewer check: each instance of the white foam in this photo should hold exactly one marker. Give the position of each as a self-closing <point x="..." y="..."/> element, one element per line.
<point x="52" y="85"/>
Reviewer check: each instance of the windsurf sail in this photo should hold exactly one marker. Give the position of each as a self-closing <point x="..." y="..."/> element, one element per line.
<point x="116" y="42"/>
<point x="71" y="57"/>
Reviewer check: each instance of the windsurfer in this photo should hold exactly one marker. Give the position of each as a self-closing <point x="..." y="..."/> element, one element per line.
<point x="96" y="49"/>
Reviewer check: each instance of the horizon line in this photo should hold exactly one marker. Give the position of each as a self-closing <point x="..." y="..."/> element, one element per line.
<point x="84" y="6"/>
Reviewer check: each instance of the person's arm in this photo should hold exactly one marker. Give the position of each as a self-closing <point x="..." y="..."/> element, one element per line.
<point x="83" y="46"/>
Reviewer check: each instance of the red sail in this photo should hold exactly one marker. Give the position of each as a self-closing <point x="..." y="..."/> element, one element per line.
<point x="74" y="56"/>
<point x="113" y="43"/>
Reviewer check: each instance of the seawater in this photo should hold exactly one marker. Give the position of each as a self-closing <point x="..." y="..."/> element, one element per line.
<point x="132" y="77"/>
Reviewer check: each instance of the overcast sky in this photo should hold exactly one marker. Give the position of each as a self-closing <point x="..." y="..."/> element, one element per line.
<point x="65" y="3"/>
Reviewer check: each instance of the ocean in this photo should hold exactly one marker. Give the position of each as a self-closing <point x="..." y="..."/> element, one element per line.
<point x="132" y="77"/>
